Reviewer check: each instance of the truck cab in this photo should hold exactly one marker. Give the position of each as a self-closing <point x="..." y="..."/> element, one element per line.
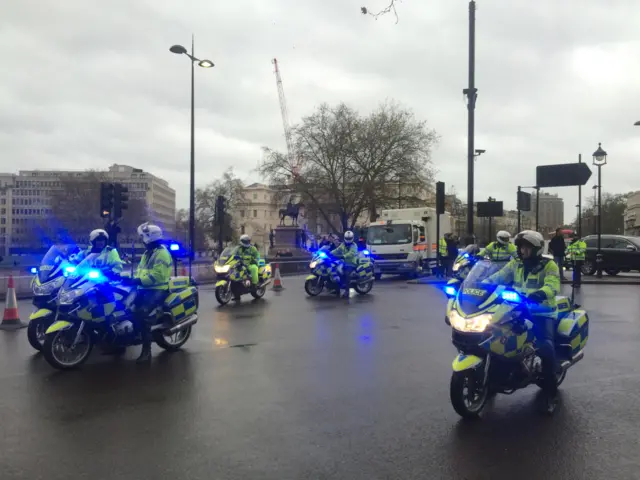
<point x="402" y="240"/>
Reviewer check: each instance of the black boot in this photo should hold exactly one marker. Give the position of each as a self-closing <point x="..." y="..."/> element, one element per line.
<point x="145" y="354"/>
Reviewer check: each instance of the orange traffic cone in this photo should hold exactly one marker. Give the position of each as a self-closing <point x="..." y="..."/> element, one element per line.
<point x="11" y="317"/>
<point x="277" y="280"/>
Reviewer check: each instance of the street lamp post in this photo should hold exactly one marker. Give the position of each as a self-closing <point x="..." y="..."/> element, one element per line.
<point x="472" y="94"/>
<point x="180" y="50"/>
<point x="599" y="160"/>
<point x="595" y="214"/>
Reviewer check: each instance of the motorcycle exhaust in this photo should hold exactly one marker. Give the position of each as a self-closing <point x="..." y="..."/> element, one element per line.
<point x="568" y="363"/>
<point x="184" y="324"/>
<point x="264" y="284"/>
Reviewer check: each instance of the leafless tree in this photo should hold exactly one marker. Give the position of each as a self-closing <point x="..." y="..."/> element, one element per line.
<point x="348" y="165"/>
<point x="391" y="8"/>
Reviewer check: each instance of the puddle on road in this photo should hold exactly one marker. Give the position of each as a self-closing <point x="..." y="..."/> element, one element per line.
<point x="243" y="345"/>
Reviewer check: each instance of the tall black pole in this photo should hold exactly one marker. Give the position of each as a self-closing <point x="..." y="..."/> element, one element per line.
<point x="599" y="255"/>
<point x="579" y="203"/>
<point x="471" y="105"/>
<point x="192" y="188"/>
<point x="537" y="208"/>
<point x="518" y="206"/>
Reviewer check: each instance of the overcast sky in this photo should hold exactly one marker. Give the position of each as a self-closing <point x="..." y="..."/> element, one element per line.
<point x="85" y="84"/>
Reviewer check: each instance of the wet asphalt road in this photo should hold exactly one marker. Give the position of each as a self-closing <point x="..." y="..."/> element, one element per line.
<point x="295" y="388"/>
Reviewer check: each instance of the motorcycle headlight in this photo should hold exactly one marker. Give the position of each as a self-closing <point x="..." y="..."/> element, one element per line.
<point x="477" y="324"/>
<point x="456" y="267"/>
<point x="68" y="296"/>
<point x="49" y="287"/>
<point x="221" y="268"/>
<point x="313" y="264"/>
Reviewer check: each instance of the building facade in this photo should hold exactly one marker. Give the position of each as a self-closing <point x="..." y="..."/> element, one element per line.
<point x="632" y="215"/>
<point x="257" y="215"/>
<point x="551" y="214"/>
<point x="25" y="201"/>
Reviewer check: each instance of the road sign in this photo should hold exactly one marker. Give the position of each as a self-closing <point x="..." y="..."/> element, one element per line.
<point x="489" y="209"/>
<point x="524" y="201"/>
<point x="562" y="175"/>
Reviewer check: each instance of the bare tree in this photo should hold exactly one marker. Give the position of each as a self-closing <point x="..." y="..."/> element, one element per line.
<point x="349" y="165"/>
<point x="391" y="8"/>
<point x="230" y="187"/>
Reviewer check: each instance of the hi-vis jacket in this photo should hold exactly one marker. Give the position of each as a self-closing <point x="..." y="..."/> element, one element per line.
<point x="154" y="270"/>
<point x="545" y="277"/>
<point x="499" y="252"/>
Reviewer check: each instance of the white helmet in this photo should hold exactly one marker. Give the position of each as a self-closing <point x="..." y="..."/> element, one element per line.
<point x="533" y="238"/>
<point x="348" y="237"/>
<point x="503" y="237"/>
<point x="245" y="240"/>
<point x="149" y="233"/>
<point x="97" y="234"/>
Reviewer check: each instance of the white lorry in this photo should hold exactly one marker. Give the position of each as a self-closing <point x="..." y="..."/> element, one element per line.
<point x="402" y="241"/>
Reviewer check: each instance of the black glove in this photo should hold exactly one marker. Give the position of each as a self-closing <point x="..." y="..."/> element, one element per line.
<point x="537" y="297"/>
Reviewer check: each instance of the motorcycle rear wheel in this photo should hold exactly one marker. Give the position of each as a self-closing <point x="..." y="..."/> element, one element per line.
<point x="174" y="342"/>
<point x="363" y="288"/>
<point x="258" y="293"/>
<point x="466" y="403"/>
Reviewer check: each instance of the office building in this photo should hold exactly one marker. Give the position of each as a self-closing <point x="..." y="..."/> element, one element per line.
<point x="551" y="214"/>
<point x="26" y="204"/>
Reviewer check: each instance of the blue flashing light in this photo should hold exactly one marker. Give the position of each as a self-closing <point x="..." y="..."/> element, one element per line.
<point x="174" y="247"/>
<point x="366" y="252"/>
<point x="322" y="255"/>
<point x="511" y="296"/>
<point x="466" y="255"/>
<point x="449" y="290"/>
<point x="69" y="269"/>
<point x="34" y="270"/>
<point x="94" y="274"/>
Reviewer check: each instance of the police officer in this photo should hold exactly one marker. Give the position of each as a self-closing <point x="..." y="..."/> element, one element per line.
<point x="152" y="277"/>
<point x="250" y="257"/>
<point x="577" y="251"/>
<point x="107" y="257"/>
<point x="538" y="278"/>
<point x="348" y="252"/>
<point x="502" y="249"/>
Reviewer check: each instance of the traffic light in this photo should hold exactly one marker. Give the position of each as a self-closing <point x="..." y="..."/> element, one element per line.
<point x="220" y="208"/>
<point x="106" y="199"/>
<point x="440" y="197"/>
<point x="121" y="200"/>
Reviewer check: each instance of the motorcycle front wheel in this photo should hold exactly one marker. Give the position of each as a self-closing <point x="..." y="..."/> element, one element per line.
<point x="467" y="400"/>
<point x="61" y="353"/>
<point x="313" y="287"/>
<point x="223" y="294"/>
<point x="36" y="332"/>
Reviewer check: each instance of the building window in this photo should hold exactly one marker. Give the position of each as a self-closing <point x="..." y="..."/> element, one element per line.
<point x="242" y="213"/>
<point x="255" y="214"/>
<point x="255" y="196"/>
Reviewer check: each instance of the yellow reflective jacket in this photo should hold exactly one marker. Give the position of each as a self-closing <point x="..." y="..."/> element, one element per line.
<point x="577" y="250"/>
<point x="154" y="270"/>
<point x="249" y="255"/>
<point x="497" y="251"/>
<point x="545" y="277"/>
<point x="442" y="247"/>
<point x="347" y="252"/>
<point x="107" y="259"/>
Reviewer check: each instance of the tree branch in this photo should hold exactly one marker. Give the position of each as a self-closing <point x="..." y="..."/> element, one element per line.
<point x="391" y="8"/>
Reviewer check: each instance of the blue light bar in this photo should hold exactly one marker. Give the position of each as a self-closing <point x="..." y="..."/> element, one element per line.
<point x="322" y="255"/>
<point x="174" y="247"/>
<point x="466" y="255"/>
<point x="34" y="270"/>
<point x="511" y="296"/>
<point x="366" y="252"/>
<point x="449" y="290"/>
<point x="94" y="274"/>
<point x="70" y="269"/>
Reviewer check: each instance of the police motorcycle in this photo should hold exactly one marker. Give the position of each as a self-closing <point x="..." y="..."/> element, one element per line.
<point x="94" y="308"/>
<point x="326" y="271"/>
<point x="234" y="278"/>
<point x="47" y="280"/>
<point x="465" y="262"/>
<point x="492" y="331"/>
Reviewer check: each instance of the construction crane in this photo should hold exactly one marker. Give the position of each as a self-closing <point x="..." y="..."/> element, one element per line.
<point x="285" y="120"/>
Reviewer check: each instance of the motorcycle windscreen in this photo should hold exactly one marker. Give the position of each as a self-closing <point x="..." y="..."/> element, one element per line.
<point x="226" y="254"/>
<point x="52" y="262"/>
<point x="477" y="287"/>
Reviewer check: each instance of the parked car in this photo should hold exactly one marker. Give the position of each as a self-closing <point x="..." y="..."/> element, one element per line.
<point x="620" y="253"/>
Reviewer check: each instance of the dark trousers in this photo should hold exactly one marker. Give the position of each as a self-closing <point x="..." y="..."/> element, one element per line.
<point x="544" y="333"/>
<point x="559" y="261"/>
<point x="577" y="272"/>
<point x="347" y="271"/>
<point x="143" y="303"/>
